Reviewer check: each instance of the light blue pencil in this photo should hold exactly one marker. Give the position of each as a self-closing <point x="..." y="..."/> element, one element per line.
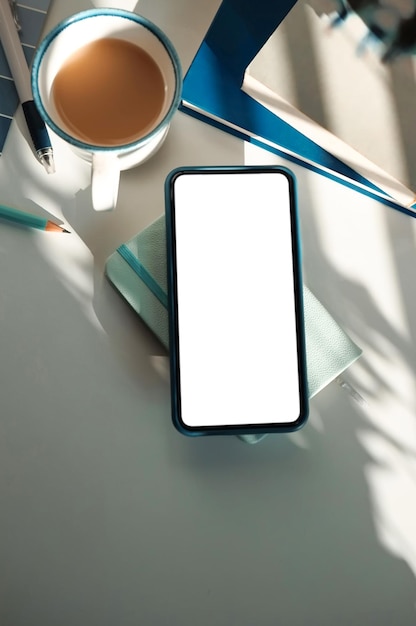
<point x="30" y="220"/>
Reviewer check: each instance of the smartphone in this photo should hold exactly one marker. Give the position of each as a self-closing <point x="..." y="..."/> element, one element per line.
<point x="236" y="330"/>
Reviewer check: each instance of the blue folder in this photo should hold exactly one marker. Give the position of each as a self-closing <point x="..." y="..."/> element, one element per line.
<point x="212" y="93"/>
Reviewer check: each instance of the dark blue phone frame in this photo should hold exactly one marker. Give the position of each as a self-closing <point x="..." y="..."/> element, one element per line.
<point x="174" y="356"/>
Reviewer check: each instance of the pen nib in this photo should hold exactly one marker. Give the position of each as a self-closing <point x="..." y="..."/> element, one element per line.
<point x="47" y="161"/>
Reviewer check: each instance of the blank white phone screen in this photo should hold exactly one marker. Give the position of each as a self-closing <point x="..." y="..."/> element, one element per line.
<point x="238" y="358"/>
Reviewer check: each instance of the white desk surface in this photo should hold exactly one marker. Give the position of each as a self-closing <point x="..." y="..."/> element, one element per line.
<point x="109" y="517"/>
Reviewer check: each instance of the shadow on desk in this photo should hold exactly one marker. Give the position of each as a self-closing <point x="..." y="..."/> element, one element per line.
<point x="100" y="493"/>
<point x="109" y="516"/>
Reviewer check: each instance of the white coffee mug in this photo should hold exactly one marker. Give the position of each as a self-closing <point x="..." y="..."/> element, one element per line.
<point x="67" y="38"/>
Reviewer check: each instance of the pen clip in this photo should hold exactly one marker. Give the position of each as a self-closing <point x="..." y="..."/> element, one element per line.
<point x="13" y="8"/>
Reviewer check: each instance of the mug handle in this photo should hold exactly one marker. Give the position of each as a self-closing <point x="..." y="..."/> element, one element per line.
<point x="105" y="179"/>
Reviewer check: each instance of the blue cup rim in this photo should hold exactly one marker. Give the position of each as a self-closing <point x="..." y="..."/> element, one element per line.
<point x="89" y="13"/>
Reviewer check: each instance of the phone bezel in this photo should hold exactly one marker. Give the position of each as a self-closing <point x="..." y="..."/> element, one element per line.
<point x="242" y="429"/>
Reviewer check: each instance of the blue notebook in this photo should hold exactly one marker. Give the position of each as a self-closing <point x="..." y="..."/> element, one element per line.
<point x="212" y="93"/>
<point x="31" y="16"/>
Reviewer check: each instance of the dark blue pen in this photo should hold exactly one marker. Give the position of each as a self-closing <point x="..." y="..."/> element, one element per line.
<point x="21" y="76"/>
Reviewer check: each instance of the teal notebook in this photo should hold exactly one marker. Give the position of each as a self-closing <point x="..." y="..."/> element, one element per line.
<point x="138" y="271"/>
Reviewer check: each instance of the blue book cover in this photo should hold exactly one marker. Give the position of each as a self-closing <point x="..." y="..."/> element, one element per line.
<point x="213" y="93"/>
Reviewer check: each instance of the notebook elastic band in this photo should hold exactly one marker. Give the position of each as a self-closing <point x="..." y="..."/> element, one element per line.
<point x="142" y="273"/>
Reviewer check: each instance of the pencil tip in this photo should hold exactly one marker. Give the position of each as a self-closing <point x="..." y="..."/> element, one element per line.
<point x="64" y="230"/>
